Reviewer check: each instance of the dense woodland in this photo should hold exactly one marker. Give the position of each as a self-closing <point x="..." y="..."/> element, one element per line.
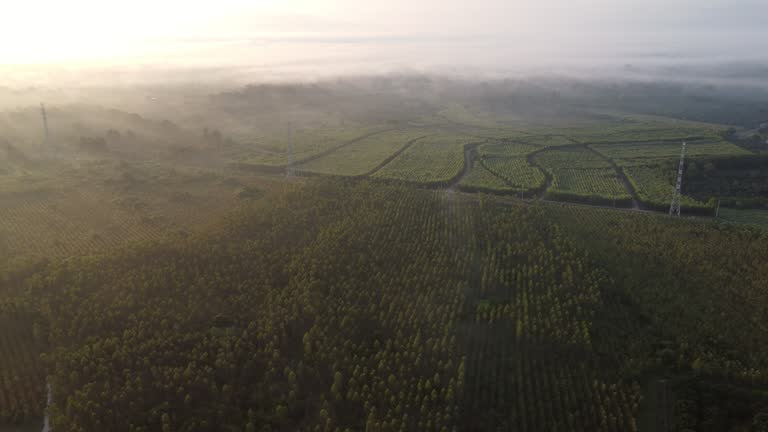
<point x="741" y="181"/>
<point x="368" y="307"/>
<point x="380" y="288"/>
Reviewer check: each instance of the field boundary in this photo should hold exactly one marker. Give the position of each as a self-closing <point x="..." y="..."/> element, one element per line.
<point x="531" y="158"/>
<point x="276" y="169"/>
<point x="470" y="152"/>
<point x="648" y="141"/>
<point x="342" y="145"/>
<point x="394" y="155"/>
<point x="518" y="190"/>
<point x="622" y="176"/>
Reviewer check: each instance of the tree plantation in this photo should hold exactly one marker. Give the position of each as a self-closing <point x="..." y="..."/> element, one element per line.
<point x="386" y="253"/>
<point x="346" y="306"/>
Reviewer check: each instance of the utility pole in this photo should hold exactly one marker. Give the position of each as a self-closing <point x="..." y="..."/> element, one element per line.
<point x="674" y="208"/>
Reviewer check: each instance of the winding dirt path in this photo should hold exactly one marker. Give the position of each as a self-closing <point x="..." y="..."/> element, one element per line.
<point x="622" y="176"/>
<point x="394" y="155"/>
<point x="342" y="145"/>
<point x="531" y="158"/>
<point x="470" y="153"/>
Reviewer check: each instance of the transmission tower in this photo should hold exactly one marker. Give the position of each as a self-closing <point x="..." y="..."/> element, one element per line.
<point x="46" y="138"/>
<point x="674" y="209"/>
<point x="289" y="170"/>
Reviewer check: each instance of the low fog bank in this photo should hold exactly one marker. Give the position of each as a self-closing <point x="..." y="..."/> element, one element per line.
<point x="211" y="123"/>
<point x="655" y="66"/>
<point x="733" y="94"/>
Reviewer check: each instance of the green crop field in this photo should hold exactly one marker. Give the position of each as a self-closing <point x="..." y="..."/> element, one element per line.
<point x="273" y="150"/>
<point x="576" y="157"/>
<point x="642" y="128"/>
<point x="667" y="150"/>
<point x="546" y="140"/>
<point x="480" y="179"/>
<point x="655" y="188"/>
<point x="363" y="156"/>
<point x="643" y="134"/>
<point x="597" y="182"/>
<point x="579" y="173"/>
<point x="516" y="171"/>
<point x="433" y="160"/>
<point x="506" y="148"/>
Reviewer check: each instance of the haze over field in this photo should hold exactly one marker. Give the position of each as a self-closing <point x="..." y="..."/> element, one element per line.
<point x="348" y="215"/>
<point x="44" y="40"/>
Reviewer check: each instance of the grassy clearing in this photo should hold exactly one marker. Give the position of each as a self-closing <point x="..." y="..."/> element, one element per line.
<point x="433" y="160"/>
<point x="361" y="157"/>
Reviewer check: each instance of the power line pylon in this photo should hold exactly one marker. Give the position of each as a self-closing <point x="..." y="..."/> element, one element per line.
<point x="289" y="169"/>
<point x="46" y="137"/>
<point x="674" y="209"/>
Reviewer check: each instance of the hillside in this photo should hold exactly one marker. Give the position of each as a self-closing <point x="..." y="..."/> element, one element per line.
<point x="352" y="307"/>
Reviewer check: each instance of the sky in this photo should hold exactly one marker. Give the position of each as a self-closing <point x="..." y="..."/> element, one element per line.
<point x="302" y="36"/>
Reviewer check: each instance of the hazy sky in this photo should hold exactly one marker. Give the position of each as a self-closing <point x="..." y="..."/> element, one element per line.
<point x="350" y="34"/>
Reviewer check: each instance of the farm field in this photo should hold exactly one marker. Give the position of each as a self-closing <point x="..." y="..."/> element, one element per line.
<point x="578" y="173"/>
<point x="363" y="156"/>
<point x="479" y="179"/>
<point x="655" y="188"/>
<point x="667" y="150"/>
<point x="642" y="129"/>
<point x="506" y="148"/>
<point x="273" y="150"/>
<point x="598" y="182"/>
<point x="574" y="157"/>
<point x="546" y="140"/>
<point x="516" y="171"/>
<point x="435" y="159"/>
